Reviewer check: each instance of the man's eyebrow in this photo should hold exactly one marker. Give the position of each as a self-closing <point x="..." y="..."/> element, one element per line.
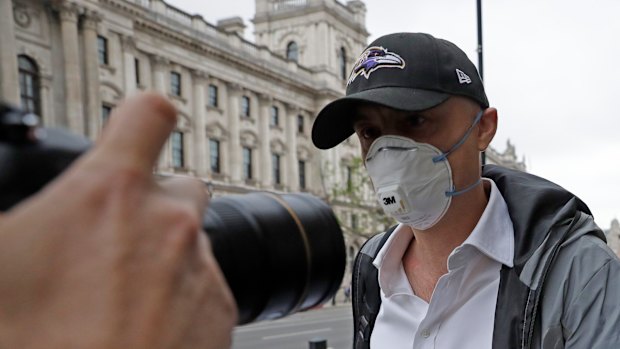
<point x="358" y="117"/>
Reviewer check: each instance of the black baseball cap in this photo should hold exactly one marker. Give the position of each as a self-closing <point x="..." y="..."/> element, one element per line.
<point x="404" y="71"/>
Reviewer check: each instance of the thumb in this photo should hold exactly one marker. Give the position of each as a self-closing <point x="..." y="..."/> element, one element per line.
<point x="135" y="133"/>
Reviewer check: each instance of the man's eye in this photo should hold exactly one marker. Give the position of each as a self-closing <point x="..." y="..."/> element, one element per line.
<point x="415" y="120"/>
<point x="369" y="132"/>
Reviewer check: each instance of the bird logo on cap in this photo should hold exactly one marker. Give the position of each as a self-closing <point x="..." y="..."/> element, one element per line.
<point x="373" y="58"/>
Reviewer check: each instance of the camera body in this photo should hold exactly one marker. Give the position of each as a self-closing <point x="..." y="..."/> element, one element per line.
<point x="280" y="253"/>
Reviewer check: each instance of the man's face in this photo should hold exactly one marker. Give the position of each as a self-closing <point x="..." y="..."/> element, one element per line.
<point x="441" y="126"/>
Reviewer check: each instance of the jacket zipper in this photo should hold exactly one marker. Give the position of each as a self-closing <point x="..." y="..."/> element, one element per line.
<point x="556" y="248"/>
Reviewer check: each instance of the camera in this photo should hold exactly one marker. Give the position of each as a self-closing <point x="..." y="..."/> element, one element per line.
<point x="280" y="253"/>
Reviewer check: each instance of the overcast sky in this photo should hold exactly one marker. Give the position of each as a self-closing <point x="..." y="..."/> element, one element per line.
<point x="550" y="68"/>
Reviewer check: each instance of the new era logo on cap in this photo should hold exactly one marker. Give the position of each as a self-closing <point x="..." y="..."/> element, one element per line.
<point x="463" y="78"/>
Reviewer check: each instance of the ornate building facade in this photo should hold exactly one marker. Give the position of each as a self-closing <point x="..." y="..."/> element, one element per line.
<point x="613" y="236"/>
<point x="246" y="109"/>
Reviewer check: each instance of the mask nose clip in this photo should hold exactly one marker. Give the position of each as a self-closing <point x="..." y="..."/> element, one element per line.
<point x="373" y="153"/>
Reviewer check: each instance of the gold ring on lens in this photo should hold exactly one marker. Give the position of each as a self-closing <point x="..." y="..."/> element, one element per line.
<point x="304" y="237"/>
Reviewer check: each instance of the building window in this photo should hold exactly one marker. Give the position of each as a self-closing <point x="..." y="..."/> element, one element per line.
<point x="349" y="170"/>
<point x="247" y="163"/>
<point x="212" y="95"/>
<point x="245" y="106"/>
<point x="302" y="174"/>
<point x="275" y="117"/>
<point x="343" y="63"/>
<point x="300" y="123"/>
<point x="354" y="223"/>
<point x="214" y="146"/>
<point x="351" y="257"/>
<point x="136" y="63"/>
<point x="178" y="150"/>
<point x="106" y="110"/>
<point x="292" y="51"/>
<point x="175" y="83"/>
<point x="275" y="165"/>
<point x="29" y="84"/>
<point x="102" y="49"/>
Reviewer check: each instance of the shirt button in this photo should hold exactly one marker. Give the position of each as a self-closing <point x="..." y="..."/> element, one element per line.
<point x="426" y="333"/>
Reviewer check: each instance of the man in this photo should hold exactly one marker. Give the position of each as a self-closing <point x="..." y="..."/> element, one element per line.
<point x="104" y="257"/>
<point x="480" y="259"/>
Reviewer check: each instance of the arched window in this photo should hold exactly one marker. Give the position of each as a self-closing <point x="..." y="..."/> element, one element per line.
<point x="343" y="63"/>
<point x="29" y="84"/>
<point x="292" y="51"/>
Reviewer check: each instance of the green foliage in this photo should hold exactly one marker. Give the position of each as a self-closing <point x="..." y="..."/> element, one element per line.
<point x="351" y="190"/>
<point x="350" y="193"/>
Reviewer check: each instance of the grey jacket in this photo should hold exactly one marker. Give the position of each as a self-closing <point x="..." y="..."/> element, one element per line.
<point x="564" y="288"/>
<point x="564" y="291"/>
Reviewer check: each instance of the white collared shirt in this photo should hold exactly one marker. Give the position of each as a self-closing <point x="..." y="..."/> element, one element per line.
<point x="461" y="312"/>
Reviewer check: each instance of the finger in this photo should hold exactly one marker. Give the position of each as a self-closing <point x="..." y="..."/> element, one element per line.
<point x="216" y="277"/>
<point x="136" y="132"/>
<point x="187" y="188"/>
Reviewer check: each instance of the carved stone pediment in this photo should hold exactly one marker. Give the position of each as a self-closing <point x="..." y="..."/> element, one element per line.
<point x="304" y="153"/>
<point x="277" y="146"/>
<point x="110" y="92"/>
<point x="184" y="121"/>
<point x="249" y="139"/>
<point x="216" y="130"/>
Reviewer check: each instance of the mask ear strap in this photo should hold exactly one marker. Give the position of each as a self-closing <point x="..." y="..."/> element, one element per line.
<point x="463" y="191"/>
<point x="444" y="156"/>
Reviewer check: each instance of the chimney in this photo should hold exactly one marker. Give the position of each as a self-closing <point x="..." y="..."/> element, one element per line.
<point x="232" y="25"/>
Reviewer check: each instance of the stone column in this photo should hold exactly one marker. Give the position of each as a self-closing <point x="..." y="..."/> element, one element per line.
<point x="160" y="66"/>
<point x="93" y="100"/>
<point x="329" y="160"/>
<point x="9" y="78"/>
<point x="291" y="140"/>
<point x="264" y="139"/>
<point x="323" y="41"/>
<point x="47" y="101"/>
<point x="73" y="78"/>
<point x="199" y="79"/>
<point x="129" y="65"/>
<point x="234" y="143"/>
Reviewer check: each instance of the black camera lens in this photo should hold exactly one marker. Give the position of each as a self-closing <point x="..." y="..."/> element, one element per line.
<point x="279" y="253"/>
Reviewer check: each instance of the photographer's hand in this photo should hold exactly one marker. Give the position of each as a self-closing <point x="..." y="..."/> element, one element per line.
<point x="104" y="257"/>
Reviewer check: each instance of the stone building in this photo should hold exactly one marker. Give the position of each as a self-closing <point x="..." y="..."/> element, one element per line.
<point x="508" y="158"/>
<point x="246" y="109"/>
<point x="613" y="236"/>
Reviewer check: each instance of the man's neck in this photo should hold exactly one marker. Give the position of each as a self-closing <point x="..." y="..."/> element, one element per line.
<point x="428" y="252"/>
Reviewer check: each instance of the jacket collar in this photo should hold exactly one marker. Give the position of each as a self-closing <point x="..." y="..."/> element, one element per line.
<point x="535" y="205"/>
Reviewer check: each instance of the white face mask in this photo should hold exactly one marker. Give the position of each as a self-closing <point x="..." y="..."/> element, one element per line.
<point x="413" y="181"/>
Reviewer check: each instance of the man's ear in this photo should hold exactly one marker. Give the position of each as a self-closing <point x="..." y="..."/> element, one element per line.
<point x="487" y="128"/>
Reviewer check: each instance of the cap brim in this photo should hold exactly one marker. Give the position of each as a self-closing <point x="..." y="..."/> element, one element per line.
<point x="334" y="123"/>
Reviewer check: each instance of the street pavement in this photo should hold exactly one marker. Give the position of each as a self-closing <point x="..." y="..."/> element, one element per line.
<point x="334" y="324"/>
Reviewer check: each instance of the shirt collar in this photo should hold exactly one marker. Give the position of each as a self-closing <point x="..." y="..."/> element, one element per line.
<point x="493" y="236"/>
<point x="388" y="261"/>
<point x="494" y="233"/>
